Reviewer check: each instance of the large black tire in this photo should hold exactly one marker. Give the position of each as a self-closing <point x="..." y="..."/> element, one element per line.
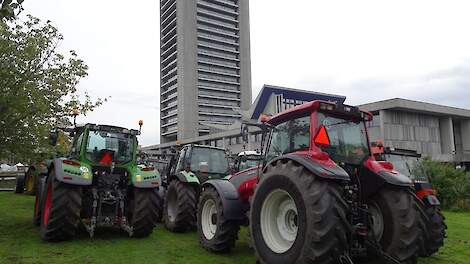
<point x="160" y="203"/>
<point x="38" y="202"/>
<point x="143" y="211"/>
<point x="397" y="210"/>
<point x="19" y="187"/>
<point x="223" y="238"/>
<point x="60" y="211"/>
<point x="433" y="229"/>
<point x="321" y="235"/>
<point x="179" y="213"/>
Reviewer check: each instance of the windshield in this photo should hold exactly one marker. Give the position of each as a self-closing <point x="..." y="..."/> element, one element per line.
<point x="290" y="136"/>
<point x="209" y="160"/>
<point x="409" y="166"/>
<point x="249" y="161"/>
<point x="348" y="139"/>
<point x="106" y="147"/>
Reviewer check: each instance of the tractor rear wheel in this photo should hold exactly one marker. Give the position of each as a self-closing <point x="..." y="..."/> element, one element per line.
<point x="19" y="187"/>
<point x="179" y="213"/>
<point x="60" y="210"/>
<point x="216" y="233"/>
<point x="297" y="217"/>
<point x="433" y="229"/>
<point x="394" y="220"/>
<point x="143" y="211"/>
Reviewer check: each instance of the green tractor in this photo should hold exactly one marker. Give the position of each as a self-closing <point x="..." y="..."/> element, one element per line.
<point x="97" y="185"/>
<point x="28" y="182"/>
<point x="191" y="167"/>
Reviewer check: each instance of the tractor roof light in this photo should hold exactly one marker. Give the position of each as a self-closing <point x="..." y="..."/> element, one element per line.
<point x="327" y="106"/>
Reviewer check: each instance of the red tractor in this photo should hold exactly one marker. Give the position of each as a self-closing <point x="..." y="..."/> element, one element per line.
<point x="319" y="196"/>
<point x="408" y="162"/>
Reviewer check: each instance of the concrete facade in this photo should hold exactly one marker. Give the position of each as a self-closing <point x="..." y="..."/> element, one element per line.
<point x="438" y="131"/>
<point x="205" y="66"/>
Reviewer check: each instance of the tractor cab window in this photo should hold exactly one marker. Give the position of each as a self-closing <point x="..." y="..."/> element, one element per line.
<point x="209" y="160"/>
<point x="409" y="166"/>
<point x="181" y="160"/>
<point x="77" y="144"/>
<point x="346" y="139"/>
<point x="290" y="136"/>
<point x="249" y="161"/>
<point x="106" y="147"/>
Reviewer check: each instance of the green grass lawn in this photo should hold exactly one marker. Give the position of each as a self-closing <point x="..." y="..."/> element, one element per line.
<point x="20" y="243"/>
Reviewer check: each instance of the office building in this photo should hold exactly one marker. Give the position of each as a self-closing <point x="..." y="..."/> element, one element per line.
<point x="205" y="66"/>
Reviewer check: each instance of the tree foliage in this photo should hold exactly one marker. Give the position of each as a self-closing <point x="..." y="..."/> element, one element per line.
<point x="9" y="9"/>
<point x="452" y="185"/>
<point x="38" y="86"/>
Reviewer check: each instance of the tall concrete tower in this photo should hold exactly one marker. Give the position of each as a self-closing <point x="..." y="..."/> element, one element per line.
<point x="205" y="65"/>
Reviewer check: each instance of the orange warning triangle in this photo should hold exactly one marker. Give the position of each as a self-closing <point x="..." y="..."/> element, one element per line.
<point x="322" y="136"/>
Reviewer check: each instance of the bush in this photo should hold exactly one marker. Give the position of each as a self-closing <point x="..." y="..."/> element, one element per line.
<point x="452" y="185"/>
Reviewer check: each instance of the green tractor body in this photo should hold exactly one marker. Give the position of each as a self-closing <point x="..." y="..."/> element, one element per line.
<point x="97" y="184"/>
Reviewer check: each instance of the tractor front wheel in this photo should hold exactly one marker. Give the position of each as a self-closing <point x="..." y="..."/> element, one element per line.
<point x="60" y="214"/>
<point x="298" y="217"/>
<point x="179" y="213"/>
<point x="143" y="211"/>
<point x="216" y="233"/>
<point x="433" y="229"/>
<point x="20" y="179"/>
<point x="394" y="222"/>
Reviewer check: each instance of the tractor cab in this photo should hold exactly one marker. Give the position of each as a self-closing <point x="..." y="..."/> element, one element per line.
<point x="405" y="161"/>
<point x="103" y="145"/>
<point x="205" y="162"/>
<point x="334" y="137"/>
<point x="247" y="159"/>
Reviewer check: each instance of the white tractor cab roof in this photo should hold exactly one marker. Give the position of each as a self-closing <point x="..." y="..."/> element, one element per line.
<point x="249" y="153"/>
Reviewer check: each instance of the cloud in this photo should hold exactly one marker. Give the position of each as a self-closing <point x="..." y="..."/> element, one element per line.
<point x="449" y="86"/>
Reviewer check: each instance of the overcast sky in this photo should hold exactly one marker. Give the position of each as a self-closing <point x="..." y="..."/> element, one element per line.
<point x="365" y="50"/>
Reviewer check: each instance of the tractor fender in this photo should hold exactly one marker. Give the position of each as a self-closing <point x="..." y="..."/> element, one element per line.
<point x="185" y="176"/>
<point x="233" y="207"/>
<point x="377" y="177"/>
<point x="315" y="167"/>
<point x="70" y="177"/>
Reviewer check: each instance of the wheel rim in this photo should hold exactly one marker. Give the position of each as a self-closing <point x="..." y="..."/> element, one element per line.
<point x="378" y="225"/>
<point x="279" y="221"/>
<point x="209" y="219"/>
<point x="172" y="204"/>
<point x="47" y="205"/>
<point x="29" y="183"/>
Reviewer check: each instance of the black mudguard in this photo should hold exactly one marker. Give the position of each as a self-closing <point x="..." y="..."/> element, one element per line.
<point x="233" y="207"/>
<point x="333" y="173"/>
<point x="372" y="182"/>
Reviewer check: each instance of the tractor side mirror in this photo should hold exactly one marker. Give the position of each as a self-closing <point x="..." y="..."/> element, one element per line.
<point x="53" y="136"/>
<point x="244" y="132"/>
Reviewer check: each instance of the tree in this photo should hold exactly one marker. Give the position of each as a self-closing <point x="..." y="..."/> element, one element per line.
<point x="9" y="9"/>
<point x="38" y="86"/>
